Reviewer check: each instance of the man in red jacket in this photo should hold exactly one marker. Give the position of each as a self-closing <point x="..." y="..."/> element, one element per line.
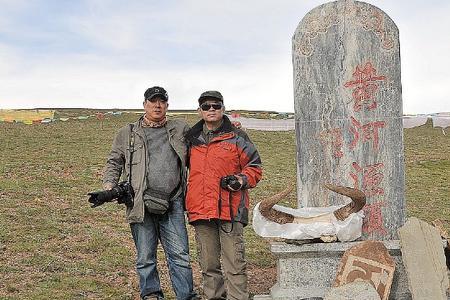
<point x="223" y="165"/>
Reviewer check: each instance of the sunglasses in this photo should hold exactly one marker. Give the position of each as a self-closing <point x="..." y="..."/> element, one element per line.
<point x="206" y="106"/>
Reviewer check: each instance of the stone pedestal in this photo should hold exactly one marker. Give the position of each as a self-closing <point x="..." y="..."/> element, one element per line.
<point x="309" y="270"/>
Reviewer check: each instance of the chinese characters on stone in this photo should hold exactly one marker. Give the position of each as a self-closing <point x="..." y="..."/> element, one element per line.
<point x="365" y="83"/>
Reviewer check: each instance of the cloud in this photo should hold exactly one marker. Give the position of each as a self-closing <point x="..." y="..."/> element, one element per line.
<point x="9" y="61"/>
<point x="106" y="53"/>
<point x="98" y="85"/>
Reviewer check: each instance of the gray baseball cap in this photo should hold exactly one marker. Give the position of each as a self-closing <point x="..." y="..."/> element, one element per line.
<point x="156" y="91"/>
<point x="210" y="94"/>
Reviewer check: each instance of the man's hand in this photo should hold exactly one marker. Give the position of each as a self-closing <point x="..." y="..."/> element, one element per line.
<point x="236" y="124"/>
<point x="235" y="188"/>
<point x="108" y="186"/>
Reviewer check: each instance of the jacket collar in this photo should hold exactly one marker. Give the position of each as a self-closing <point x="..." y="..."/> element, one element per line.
<point x="192" y="134"/>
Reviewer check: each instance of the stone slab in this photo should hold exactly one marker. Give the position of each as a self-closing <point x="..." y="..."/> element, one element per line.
<point x="348" y="111"/>
<point x="367" y="261"/>
<point x="424" y="259"/>
<point x="358" y="290"/>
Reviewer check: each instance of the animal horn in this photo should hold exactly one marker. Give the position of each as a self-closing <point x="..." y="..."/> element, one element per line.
<point x="266" y="208"/>
<point x="357" y="196"/>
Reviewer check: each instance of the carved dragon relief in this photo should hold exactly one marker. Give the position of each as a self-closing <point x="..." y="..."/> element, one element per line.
<point x="373" y="19"/>
<point x="319" y="20"/>
<point x="315" y="22"/>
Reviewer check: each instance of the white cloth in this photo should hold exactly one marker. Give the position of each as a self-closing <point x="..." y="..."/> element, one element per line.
<point x="289" y="124"/>
<point x="441" y="121"/>
<point x="348" y="230"/>
<point x="410" y="122"/>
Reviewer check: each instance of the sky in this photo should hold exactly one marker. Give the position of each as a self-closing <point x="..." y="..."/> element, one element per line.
<point x="104" y="54"/>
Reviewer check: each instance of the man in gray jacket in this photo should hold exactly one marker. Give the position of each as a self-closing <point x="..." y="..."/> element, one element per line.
<point x="158" y="176"/>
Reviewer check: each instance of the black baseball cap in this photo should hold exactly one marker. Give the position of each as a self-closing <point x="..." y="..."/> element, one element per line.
<point x="156" y="91"/>
<point x="210" y="94"/>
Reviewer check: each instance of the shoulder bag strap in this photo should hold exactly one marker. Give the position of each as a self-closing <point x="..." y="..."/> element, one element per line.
<point x="131" y="144"/>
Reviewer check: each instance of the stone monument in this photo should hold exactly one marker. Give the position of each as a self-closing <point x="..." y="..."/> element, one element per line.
<point x="348" y="119"/>
<point x="348" y="107"/>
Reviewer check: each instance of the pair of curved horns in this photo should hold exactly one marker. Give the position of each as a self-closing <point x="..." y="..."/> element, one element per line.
<point x="357" y="196"/>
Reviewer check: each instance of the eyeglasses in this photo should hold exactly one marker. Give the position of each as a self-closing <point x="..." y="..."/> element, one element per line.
<point x="206" y="106"/>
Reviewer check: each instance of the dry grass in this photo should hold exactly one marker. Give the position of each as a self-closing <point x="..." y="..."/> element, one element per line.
<point x="54" y="246"/>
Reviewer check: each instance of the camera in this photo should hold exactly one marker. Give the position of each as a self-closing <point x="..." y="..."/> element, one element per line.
<point x="123" y="192"/>
<point x="231" y="181"/>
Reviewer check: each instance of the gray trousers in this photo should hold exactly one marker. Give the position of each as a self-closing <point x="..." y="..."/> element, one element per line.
<point x="215" y="243"/>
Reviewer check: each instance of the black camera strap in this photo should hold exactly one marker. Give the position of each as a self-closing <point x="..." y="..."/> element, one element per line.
<point x="131" y="146"/>
<point x="231" y="209"/>
<point x="229" y="196"/>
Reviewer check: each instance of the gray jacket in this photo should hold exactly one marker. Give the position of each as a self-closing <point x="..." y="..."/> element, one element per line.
<point x="117" y="164"/>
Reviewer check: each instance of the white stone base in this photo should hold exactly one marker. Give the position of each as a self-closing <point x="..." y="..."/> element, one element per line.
<point x="309" y="270"/>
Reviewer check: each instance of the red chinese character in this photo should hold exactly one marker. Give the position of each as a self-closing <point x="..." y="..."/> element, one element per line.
<point x="372" y="176"/>
<point x="373" y="220"/>
<point x="369" y="132"/>
<point x="334" y="138"/>
<point x="365" y="86"/>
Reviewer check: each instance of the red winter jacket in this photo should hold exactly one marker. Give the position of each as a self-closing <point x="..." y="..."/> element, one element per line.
<point x="229" y="153"/>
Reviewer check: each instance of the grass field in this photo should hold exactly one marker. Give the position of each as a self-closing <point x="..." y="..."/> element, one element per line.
<point x="54" y="246"/>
